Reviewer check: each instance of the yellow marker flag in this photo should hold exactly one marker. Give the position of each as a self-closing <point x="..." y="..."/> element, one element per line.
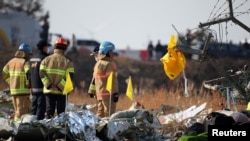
<point x="129" y="91"/>
<point x="109" y="82"/>
<point x="68" y="84"/>
<point x="248" y="106"/>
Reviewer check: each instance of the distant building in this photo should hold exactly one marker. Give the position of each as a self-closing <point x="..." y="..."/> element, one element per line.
<point x="17" y="27"/>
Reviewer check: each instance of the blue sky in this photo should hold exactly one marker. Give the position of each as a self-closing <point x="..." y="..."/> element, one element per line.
<point x="132" y="23"/>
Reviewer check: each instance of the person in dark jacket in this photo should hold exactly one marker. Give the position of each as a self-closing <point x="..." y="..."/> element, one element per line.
<point x="36" y="85"/>
<point x="158" y="50"/>
<point x="150" y="50"/>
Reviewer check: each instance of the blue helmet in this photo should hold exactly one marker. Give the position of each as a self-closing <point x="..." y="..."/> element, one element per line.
<point x="25" y="47"/>
<point x="105" y="47"/>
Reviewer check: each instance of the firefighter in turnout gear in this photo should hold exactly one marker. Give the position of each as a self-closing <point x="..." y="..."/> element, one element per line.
<point x="53" y="71"/>
<point x="36" y="85"/>
<point x="15" y="73"/>
<point x="105" y="66"/>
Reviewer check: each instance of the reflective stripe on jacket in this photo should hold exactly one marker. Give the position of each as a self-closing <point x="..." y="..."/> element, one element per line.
<point x="102" y="70"/>
<point x="92" y="88"/>
<point x="15" y="74"/>
<point x="53" y="71"/>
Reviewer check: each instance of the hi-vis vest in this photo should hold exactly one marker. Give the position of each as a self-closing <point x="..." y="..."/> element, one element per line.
<point x="102" y="70"/>
<point x="53" y="70"/>
<point x="15" y="74"/>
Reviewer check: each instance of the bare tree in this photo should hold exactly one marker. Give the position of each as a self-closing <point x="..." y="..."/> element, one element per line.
<point x="33" y="8"/>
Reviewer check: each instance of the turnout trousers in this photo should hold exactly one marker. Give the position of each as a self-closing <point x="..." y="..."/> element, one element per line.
<point x="21" y="105"/>
<point x="38" y="105"/>
<point x="55" y="102"/>
<point x="103" y="108"/>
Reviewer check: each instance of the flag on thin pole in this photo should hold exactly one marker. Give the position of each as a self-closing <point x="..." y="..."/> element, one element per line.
<point x="109" y="82"/>
<point x="68" y="84"/>
<point x="129" y="91"/>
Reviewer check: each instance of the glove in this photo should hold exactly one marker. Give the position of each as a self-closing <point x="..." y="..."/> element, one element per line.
<point x="91" y="95"/>
<point x="58" y="88"/>
<point x="115" y="97"/>
<point x="53" y="86"/>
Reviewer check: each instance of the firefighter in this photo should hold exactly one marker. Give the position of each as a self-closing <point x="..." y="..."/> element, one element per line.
<point x="53" y="71"/>
<point x="15" y="73"/>
<point x="38" y="98"/>
<point x="105" y="66"/>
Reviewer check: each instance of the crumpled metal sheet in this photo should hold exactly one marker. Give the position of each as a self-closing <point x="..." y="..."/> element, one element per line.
<point x="5" y="96"/>
<point x="81" y="124"/>
<point x="84" y="125"/>
<point x="133" y="124"/>
<point x="6" y="129"/>
<point x="6" y="103"/>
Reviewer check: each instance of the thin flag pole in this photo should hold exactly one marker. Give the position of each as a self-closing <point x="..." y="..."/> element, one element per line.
<point x="185" y="84"/>
<point x="110" y="102"/>
<point x="109" y="88"/>
<point x="66" y="101"/>
<point x="133" y="99"/>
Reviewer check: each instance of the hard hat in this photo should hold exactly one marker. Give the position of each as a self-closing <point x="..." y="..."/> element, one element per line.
<point x="25" y="47"/>
<point x="105" y="47"/>
<point x="42" y="43"/>
<point x="61" y="43"/>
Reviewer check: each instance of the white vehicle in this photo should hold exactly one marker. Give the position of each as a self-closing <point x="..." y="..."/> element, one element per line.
<point x="82" y="44"/>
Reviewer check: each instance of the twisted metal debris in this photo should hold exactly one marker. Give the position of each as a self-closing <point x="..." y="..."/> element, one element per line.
<point x="85" y="126"/>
